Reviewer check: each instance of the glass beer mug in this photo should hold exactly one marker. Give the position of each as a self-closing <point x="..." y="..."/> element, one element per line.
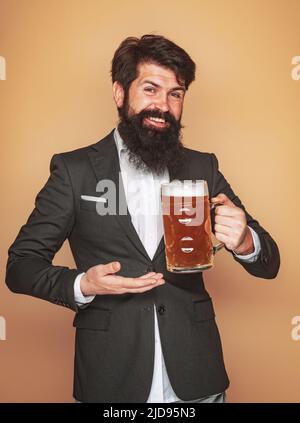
<point x="187" y="226"/>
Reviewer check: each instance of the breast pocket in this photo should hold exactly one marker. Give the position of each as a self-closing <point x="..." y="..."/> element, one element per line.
<point x="90" y="205"/>
<point x="94" y="227"/>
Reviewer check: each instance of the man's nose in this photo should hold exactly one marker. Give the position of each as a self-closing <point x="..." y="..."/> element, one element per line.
<point x="161" y="103"/>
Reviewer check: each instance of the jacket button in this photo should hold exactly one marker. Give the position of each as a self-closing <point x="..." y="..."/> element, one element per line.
<point x="161" y="309"/>
<point x="265" y="259"/>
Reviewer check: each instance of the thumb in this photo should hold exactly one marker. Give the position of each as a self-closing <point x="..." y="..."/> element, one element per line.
<point x="109" y="268"/>
<point x="223" y="199"/>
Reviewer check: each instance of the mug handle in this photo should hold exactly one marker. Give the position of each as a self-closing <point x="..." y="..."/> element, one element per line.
<point x="219" y="246"/>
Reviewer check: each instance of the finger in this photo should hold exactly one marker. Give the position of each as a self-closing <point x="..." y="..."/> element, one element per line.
<point x="113" y="289"/>
<point x="139" y="286"/>
<point x="148" y="275"/>
<point x="134" y="290"/>
<point x="215" y="200"/>
<point x="121" y="282"/>
<point x="109" y="268"/>
<point x="221" y="229"/>
<point x="222" y="198"/>
<point x="222" y="238"/>
<point x="225" y="220"/>
<point x="143" y="289"/>
<point x="121" y="285"/>
<point x="227" y="211"/>
<point x="140" y="282"/>
<point x="152" y="275"/>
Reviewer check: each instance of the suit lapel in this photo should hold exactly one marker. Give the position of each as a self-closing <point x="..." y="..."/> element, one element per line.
<point x="105" y="162"/>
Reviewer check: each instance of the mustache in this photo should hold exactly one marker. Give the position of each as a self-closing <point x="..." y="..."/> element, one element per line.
<point x="138" y="119"/>
<point x="155" y="113"/>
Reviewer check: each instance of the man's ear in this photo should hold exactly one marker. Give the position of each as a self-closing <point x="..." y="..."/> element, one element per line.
<point x="118" y="93"/>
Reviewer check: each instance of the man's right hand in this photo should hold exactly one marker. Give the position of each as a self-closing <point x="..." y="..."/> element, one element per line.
<point x="100" y="280"/>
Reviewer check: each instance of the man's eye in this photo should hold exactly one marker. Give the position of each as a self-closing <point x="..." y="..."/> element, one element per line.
<point x="150" y="89"/>
<point x="176" y="95"/>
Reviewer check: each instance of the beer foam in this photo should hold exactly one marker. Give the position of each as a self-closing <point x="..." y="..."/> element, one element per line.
<point x="185" y="188"/>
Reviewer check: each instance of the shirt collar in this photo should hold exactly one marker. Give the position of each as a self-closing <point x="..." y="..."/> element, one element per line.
<point x="119" y="142"/>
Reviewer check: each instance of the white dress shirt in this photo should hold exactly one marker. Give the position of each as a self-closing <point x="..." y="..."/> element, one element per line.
<point x="142" y="190"/>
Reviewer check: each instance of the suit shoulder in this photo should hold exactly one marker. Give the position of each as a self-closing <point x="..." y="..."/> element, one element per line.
<point x="77" y="153"/>
<point x="80" y="154"/>
<point x="196" y="155"/>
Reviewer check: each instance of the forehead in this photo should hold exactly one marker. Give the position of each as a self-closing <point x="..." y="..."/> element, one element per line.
<point x="157" y="74"/>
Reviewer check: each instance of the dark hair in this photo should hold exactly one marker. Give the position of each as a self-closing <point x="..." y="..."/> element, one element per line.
<point x="150" y="48"/>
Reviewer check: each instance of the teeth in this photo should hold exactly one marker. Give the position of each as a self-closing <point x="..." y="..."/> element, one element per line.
<point x="157" y="119"/>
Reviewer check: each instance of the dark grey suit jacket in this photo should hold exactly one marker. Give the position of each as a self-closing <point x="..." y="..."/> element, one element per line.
<point x="114" y="352"/>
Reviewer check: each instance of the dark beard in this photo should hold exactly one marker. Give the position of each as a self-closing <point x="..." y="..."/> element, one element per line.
<point x="152" y="148"/>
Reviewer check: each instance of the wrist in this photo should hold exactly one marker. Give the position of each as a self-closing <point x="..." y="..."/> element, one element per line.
<point x="247" y="246"/>
<point x="85" y="286"/>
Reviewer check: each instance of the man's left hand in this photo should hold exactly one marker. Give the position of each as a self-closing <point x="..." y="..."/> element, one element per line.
<point x="231" y="226"/>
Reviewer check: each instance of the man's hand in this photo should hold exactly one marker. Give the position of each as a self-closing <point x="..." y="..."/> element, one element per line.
<point x="100" y="280"/>
<point x="231" y="226"/>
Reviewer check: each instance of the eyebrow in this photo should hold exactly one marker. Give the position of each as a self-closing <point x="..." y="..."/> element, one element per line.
<point x="177" y="88"/>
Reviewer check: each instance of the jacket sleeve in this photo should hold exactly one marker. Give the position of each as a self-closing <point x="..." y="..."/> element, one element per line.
<point x="29" y="267"/>
<point x="268" y="262"/>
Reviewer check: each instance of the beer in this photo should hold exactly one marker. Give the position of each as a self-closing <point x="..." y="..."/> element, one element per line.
<point x="187" y="226"/>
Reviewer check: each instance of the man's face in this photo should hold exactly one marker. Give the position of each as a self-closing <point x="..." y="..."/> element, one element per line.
<point x="156" y="88"/>
<point x="150" y="114"/>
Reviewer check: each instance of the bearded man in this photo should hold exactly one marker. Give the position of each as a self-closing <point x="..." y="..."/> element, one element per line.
<point x="143" y="334"/>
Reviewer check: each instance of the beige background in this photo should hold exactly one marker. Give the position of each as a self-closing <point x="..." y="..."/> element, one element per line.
<point x="244" y="107"/>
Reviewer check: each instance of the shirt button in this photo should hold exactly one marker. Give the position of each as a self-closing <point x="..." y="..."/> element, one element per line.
<point x="161" y="309"/>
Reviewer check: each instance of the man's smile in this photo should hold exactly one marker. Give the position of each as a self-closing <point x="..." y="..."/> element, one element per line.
<point x="156" y="122"/>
